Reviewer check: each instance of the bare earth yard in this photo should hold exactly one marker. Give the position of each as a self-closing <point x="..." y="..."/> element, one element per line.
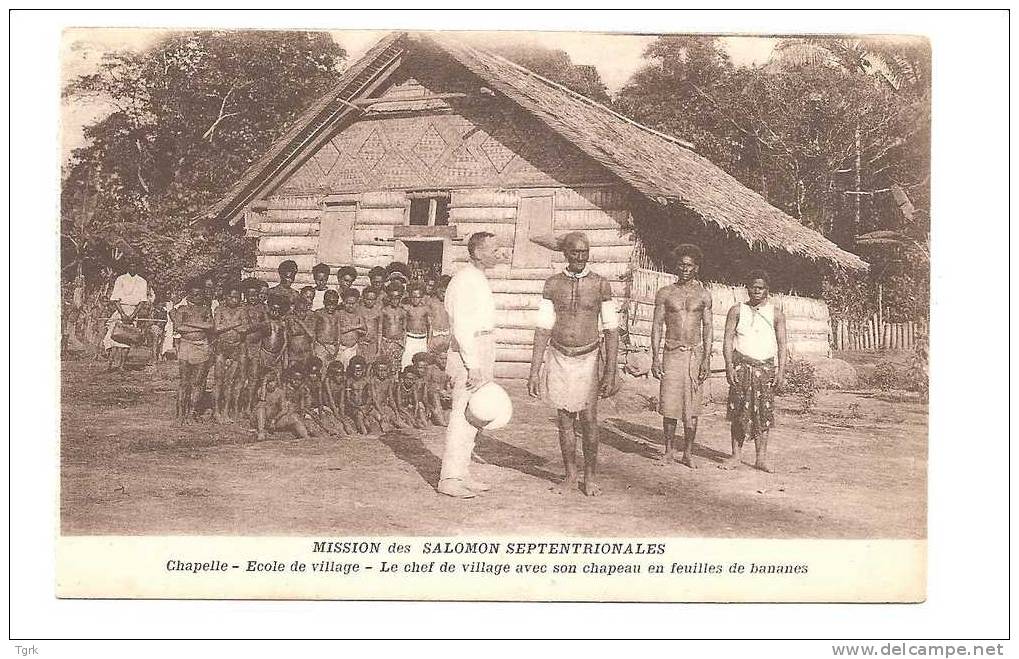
<point x="853" y="467"/>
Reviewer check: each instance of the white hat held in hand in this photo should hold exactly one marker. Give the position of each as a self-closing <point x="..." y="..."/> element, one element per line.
<point x="489" y="408"/>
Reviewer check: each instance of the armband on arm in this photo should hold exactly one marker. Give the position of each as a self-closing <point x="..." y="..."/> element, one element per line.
<point x="608" y="317"/>
<point x="545" y="317"/>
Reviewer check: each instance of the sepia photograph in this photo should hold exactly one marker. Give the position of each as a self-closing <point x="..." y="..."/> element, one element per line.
<point x="339" y="283"/>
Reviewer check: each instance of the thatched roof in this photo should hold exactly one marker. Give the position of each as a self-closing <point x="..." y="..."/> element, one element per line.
<point x="661" y="167"/>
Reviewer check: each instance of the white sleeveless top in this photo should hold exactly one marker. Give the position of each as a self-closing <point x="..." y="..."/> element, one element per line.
<point x="755" y="331"/>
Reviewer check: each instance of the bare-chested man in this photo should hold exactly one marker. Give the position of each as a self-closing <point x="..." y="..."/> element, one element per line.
<point x="684" y="363"/>
<point x="417" y="324"/>
<point x="394" y="326"/>
<point x="573" y="362"/>
<point x="194" y="353"/>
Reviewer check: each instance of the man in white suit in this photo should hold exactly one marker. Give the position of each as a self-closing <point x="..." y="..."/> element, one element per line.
<point x="471" y="363"/>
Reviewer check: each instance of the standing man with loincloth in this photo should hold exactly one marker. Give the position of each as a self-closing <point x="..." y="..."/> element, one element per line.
<point x="471" y="308"/>
<point x="755" y="336"/>
<point x="194" y="353"/>
<point x="573" y="362"/>
<point x="684" y="363"/>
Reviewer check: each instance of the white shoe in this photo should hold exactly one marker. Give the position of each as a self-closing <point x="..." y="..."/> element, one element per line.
<point x="454" y="487"/>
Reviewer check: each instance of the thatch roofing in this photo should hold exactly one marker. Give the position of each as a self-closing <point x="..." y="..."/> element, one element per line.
<point x="661" y="167"/>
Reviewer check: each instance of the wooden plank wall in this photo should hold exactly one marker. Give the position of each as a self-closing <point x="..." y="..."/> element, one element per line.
<point x="291" y="229"/>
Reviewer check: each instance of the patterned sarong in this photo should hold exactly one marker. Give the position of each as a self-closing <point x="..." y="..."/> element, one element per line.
<point x="752" y="397"/>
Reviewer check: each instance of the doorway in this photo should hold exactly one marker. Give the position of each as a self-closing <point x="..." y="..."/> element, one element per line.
<point x="424" y="257"/>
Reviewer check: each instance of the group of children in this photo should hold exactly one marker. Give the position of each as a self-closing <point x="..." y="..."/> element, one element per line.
<point x="317" y="361"/>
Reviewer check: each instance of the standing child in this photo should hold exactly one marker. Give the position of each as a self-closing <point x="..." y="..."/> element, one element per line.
<point x="438" y="322"/>
<point x="327" y="325"/>
<point x="231" y="320"/>
<point x="394" y="326"/>
<point x="257" y="322"/>
<point x="300" y="332"/>
<point x="350" y="326"/>
<point x="417" y="325"/>
<point x="371" y="314"/>
<point x="269" y="355"/>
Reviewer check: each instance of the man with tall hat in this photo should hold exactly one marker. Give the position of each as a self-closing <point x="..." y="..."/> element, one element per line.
<point x="471" y="362"/>
<point x="573" y="361"/>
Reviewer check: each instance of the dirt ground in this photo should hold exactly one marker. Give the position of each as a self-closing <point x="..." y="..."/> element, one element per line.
<point x="852" y="467"/>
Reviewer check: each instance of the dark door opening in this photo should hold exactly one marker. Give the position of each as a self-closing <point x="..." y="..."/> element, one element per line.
<point x="424" y="257"/>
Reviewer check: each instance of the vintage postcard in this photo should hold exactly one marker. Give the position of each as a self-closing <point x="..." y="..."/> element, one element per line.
<point x="494" y="316"/>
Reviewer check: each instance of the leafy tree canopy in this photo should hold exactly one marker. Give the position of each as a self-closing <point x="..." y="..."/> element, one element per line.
<point x="191" y="113"/>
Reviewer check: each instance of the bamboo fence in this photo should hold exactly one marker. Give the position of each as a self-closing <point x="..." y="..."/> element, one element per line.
<point x="874" y="334"/>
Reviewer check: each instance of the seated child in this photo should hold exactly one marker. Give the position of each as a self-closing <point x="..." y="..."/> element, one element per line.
<point x="359" y="400"/>
<point x="408" y="399"/>
<point x="434" y="382"/>
<point x="275" y="411"/>
<point x="384" y="392"/>
<point x="311" y="398"/>
<point x="334" y="388"/>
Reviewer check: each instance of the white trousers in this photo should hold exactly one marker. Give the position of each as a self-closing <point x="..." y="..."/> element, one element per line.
<point x="460" y="435"/>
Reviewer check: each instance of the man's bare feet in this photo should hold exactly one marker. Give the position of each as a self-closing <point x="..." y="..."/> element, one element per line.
<point x="567" y="486"/>
<point x="591" y="489"/>
<point x="765" y="467"/>
<point x="687" y="460"/>
<point x="664" y="460"/>
<point x="732" y="462"/>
